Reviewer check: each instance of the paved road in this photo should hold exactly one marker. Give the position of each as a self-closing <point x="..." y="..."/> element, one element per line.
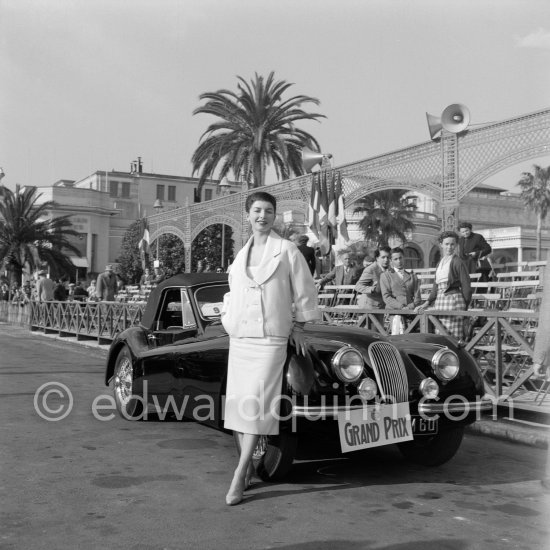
<point x="84" y="483"/>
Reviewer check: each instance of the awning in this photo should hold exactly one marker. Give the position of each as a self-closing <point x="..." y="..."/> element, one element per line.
<point x="79" y="262"/>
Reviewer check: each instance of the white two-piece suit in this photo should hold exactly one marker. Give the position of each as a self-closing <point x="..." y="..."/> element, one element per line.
<point x="258" y="316"/>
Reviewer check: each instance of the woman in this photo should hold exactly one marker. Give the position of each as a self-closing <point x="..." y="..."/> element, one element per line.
<point x="451" y="290"/>
<point x="268" y="280"/>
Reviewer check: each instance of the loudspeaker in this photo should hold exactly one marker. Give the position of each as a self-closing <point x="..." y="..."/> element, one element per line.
<point x="434" y="125"/>
<point x="310" y="158"/>
<point x="455" y="118"/>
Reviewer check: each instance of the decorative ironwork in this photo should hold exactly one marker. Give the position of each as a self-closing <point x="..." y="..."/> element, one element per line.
<point x="446" y="170"/>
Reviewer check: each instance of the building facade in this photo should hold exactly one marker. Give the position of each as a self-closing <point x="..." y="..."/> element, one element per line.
<point x="103" y="205"/>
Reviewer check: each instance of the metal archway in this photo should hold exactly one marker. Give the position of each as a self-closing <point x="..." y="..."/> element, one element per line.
<point x="445" y="169"/>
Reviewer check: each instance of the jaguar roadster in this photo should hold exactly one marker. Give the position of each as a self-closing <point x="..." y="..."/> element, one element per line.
<point x="417" y="391"/>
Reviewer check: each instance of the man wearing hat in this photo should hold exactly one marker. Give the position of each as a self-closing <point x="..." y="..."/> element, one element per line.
<point x="307" y="251"/>
<point x="106" y="285"/>
<point x="44" y="287"/>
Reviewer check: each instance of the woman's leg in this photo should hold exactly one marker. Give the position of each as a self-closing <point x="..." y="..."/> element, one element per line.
<point x="248" y="443"/>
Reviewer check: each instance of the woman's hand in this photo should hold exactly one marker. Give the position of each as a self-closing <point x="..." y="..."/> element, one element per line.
<point x="298" y="339"/>
<point x="421" y="308"/>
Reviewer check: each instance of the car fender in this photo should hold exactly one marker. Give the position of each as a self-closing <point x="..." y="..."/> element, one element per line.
<point x="135" y="339"/>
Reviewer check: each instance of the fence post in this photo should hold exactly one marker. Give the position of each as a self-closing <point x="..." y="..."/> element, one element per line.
<point x="498" y="358"/>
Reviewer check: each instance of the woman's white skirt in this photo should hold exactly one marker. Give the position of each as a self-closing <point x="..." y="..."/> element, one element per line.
<point x="254" y="381"/>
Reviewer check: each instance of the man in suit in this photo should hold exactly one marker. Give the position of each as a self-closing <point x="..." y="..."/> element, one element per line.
<point x="345" y="274"/>
<point x="307" y="251"/>
<point x="473" y="249"/>
<point x="368" y="285"/>
<point x="106" y="285"/>
<point x="400" y="289"/>
<point x="44" y="288"/>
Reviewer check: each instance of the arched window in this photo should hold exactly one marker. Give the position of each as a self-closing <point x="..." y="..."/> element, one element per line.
<point x="413" y="257"/>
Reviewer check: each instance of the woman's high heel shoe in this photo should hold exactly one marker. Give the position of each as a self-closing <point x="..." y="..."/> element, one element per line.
<point x="235" y="494"/>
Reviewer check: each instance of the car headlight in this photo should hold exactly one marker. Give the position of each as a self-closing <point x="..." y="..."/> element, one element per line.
<point x="367" y="389"/>
<point x="347" y="364"/>
<point x="429" y="388"/>
<point x="445" y="364"/>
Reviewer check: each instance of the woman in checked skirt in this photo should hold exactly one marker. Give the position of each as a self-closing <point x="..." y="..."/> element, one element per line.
<point x="451" y="290"/>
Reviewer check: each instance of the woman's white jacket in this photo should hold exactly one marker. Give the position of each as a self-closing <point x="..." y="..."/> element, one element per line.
<point x="282" y="291"/>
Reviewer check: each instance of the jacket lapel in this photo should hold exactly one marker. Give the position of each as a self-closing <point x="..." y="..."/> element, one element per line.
<point x="271" y="258"/>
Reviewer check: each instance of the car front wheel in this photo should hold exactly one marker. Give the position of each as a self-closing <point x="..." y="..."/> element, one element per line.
<point x="433" y="450"/>
<point x="273" y="455"/>
<point x="128" y="404"/>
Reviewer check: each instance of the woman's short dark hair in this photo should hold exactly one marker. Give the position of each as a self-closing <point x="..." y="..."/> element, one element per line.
<point x="260" y="196"/>
<point x="447" y="235"/>
<point x="465" y="224"/>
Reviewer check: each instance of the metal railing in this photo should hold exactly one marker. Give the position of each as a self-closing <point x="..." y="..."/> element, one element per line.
<point x="501" y="341"/>
<point x="100" y="321"/>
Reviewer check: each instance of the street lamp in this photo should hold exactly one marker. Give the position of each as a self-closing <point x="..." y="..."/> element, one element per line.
<point x="223" y="188"/>
<point x="158" y="206"/>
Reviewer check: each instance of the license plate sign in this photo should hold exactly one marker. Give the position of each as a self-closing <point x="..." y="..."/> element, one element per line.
<point x="424" y="426"/>
<point x="374" y="426"/>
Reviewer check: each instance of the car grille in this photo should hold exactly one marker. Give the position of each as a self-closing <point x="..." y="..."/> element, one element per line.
<point x="389" y="371"/>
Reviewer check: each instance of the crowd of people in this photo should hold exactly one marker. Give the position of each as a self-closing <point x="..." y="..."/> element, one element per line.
<point x="107" y="287"/>
<point x="384" y="283"/>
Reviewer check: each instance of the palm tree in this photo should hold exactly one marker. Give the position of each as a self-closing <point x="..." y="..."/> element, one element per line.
<point x="255" y="128"/>
<point x="387" y="214"/>
<point x="535" y="193"/>
<point x="27" y="237"/>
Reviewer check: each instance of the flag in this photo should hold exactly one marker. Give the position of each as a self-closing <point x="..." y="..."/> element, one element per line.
<point x="325" y="233"/>
<point x="143" y="244"/>
<point x="313" y="213"/>
<point x="341" y="213"/>
<point x="323" y="202"/>
<point x="332" y="204"/>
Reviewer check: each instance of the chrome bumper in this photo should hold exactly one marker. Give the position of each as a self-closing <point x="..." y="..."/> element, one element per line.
<point x="322" y="411"/>
<point x="429" y="408"/>
<point x="454" y="407"/>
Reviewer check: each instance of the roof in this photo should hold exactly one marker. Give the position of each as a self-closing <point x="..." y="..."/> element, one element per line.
<point x="482" y="186"/>
<point x="191" y="279"/>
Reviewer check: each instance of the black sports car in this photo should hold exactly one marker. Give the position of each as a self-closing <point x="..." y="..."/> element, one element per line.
<point x="416" y="390"/>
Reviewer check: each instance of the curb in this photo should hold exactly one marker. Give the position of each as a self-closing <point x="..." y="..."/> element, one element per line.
<point x="90" y="344"/>
<point x="533" y="437"/>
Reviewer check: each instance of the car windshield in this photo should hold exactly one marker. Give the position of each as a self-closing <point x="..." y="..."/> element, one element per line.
<point x="210" y="300"/>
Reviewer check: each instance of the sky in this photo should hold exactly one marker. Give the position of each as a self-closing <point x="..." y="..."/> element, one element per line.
<point x="92" y="85"/>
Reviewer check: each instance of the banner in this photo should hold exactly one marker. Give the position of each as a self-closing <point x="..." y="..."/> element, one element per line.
<point x="143" y="244"/>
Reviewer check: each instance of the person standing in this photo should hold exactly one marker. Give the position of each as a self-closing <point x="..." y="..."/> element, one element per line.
<point x="146" y="278"/>
<point x="451" y="290"/>
<point x="106" y="285"/>
<point x="44" y="288"/>
<point x="400" y="290"/>
<point x="368" y="285"/>
<point x="92" y="296"/>
<point x="269" y="282"/>
<point x="307" y="251"/>
<point x="473" y="249"/>
<point x="345" y="274"/>
<point x="60" y="291"/>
